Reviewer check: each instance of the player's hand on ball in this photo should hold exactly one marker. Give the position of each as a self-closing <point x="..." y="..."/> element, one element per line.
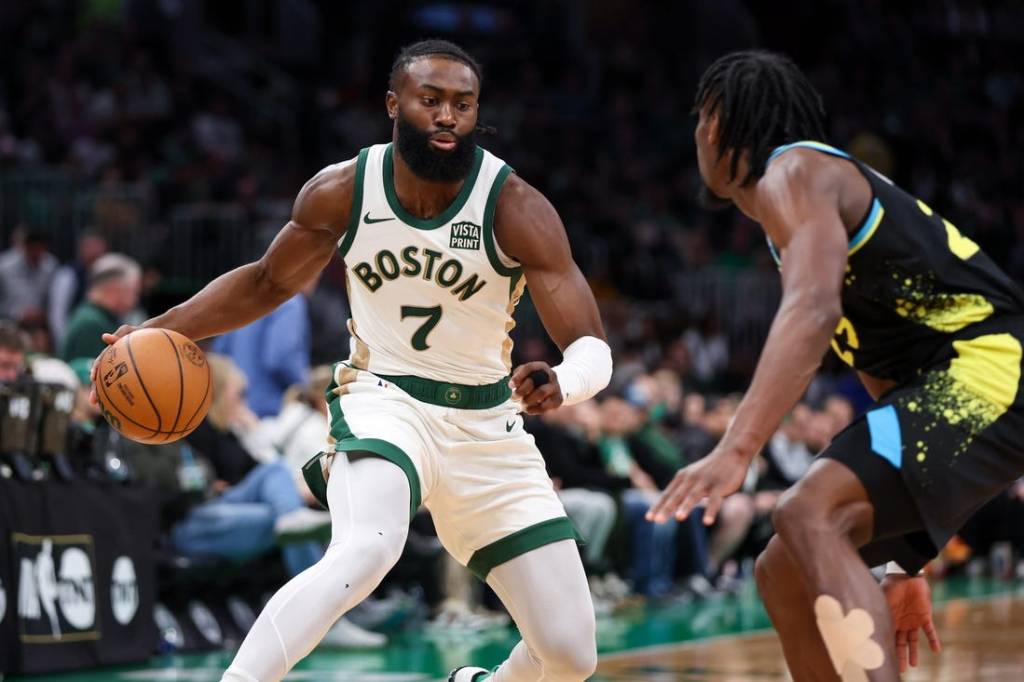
<point x="910" y="603"/>
<point x="108" y="339"/>
<point x="123" y="330"/>
<point x="713" y="478"/>
<point x="535" y="386"/>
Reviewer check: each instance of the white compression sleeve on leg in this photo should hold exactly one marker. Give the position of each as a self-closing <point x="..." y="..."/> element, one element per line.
<point x="369" y="502"/>
<point x="546" y="593"/>
<point x="586" y="368"/>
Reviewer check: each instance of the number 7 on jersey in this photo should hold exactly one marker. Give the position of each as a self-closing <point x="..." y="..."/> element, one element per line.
<point x="433" y="315"/>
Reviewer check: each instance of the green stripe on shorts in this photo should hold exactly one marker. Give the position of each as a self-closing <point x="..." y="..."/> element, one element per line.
<point x="521" y="542"/>
<point x="393" y="454"/>
<point x="346" y="441"/>
<point x="339" y="427"/>
<point x="313" y="472"/>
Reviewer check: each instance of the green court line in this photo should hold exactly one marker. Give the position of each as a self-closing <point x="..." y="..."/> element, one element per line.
<point x="432" y="656"/>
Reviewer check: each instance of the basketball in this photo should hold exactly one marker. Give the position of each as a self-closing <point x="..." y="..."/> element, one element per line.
<point x="153" y="385"/>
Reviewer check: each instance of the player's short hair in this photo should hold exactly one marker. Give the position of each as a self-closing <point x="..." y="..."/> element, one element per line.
<point x="763" y="100"/>
<point x="433" y="47"/>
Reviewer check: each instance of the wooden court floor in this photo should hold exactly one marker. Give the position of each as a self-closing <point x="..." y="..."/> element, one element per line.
<point x="983" y="640"/>
<point x="981" y="623"/>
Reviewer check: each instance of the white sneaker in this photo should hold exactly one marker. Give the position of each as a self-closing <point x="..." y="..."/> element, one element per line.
<point x="302" y="524"/>
<point x="615" y="587"/>
<point x="457" y="618"/>
<point x="468" y="673"/>
<point x="347" y="635"/>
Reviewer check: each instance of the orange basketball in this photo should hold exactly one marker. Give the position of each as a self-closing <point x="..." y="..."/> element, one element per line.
<point x="153" y="385"/>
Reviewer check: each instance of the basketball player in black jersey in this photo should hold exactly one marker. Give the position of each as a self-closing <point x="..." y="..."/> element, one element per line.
<point x="927" y="320"/>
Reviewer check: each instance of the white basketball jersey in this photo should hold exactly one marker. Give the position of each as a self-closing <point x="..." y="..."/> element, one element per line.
<point x="431" y="298"/>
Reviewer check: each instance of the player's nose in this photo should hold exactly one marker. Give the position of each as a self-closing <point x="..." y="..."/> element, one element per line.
<point x="445" y="117"/>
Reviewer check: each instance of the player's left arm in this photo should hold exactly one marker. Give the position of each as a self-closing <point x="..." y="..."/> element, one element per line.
<point x="798" y="207"/>
<point x="528" y="228"/>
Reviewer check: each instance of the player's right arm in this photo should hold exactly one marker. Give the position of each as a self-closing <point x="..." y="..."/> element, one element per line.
<point x="798" y="203"/>
<point x="298" y="253"/>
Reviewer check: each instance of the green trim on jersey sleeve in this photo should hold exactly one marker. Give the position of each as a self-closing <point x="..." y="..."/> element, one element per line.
<point x="448" y="214"/>
<point x="357" y="205"/>
<point x="521" y="542"/>
<point x="513" y="282"/>
<point x="492" y="206"/>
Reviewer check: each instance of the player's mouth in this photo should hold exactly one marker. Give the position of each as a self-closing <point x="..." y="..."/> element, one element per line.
<point x="444" y="142"/>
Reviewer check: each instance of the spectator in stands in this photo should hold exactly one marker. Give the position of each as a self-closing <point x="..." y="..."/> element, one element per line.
<point x="301" y="429"/>
<point x="217" y="132"/>
<point x="273" y="353"/>
<point x="709" y="350"/>
<point x="26" y="270"/>
<point x="660" y="396"/>
<point x="114" y="283"/>
<point x="567" y="439"/>
<point x="67" y="289"/>
<point x="12" y="351"/>
<point x="653" y="546"/>
<point x="227" y="436"/>
<point x="839" y="412"/>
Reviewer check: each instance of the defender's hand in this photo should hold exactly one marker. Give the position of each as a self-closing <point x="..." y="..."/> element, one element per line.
<point x="535" y="399"/>
<point x="109" y="339"/>
<point x="910" y="603"/>
<point x="716" y="476"/>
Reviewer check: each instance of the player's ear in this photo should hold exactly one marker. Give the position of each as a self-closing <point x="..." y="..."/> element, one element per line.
<point x="391" y="104"/>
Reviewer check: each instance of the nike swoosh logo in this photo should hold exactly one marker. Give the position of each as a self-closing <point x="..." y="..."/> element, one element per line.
<point x="369" y="221"/>
<point x="509" y="426"/>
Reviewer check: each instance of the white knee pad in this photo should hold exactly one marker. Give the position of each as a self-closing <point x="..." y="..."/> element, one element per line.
<point x="848" y="639"/>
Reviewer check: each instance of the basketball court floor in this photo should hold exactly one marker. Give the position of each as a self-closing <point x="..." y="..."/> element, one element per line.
<point x="981" y="624"/>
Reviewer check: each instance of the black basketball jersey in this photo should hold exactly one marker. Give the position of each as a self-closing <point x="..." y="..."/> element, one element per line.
<point x="913" y="283"/>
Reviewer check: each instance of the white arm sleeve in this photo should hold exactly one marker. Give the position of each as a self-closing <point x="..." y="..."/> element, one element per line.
<point x="586" y="368"/>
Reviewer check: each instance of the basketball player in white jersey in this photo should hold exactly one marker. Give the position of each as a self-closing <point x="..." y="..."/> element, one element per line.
<point x="440" y="238"/>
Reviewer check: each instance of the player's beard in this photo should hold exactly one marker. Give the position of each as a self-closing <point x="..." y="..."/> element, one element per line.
<point x="430" y="164"/>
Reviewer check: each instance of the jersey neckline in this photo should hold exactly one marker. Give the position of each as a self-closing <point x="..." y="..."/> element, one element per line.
<point x="446" y="216"/>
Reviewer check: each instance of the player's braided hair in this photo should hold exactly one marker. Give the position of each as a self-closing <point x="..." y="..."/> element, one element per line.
<point x="432" y="48"/>
<point x="763" y="101"/>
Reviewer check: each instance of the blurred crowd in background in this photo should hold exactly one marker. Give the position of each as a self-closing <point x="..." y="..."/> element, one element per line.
<point x="129" y="112"/>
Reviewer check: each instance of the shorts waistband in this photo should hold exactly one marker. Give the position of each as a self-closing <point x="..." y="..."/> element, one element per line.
<point x="444" y="394"/>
